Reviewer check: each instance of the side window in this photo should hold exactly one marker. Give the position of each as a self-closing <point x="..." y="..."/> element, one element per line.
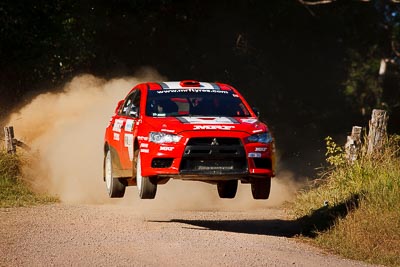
<point x="136" y="100"/>
<point x="131" y="105"/>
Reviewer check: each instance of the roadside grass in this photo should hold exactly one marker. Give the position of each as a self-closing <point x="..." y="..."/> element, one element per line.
<point x="354" y="209"/>
<point x="15" y="191"/>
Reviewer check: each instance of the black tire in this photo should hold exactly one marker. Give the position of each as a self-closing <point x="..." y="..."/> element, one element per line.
<point x="146" y="187"/>
<point x="115" y="188"/>
<point x="261" y="188"/>
<point x="227" y="189"/>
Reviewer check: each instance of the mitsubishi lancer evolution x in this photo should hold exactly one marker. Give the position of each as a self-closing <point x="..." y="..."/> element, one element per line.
<point x="188" y="130"/>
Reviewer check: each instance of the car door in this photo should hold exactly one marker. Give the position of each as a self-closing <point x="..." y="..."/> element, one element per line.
<point x="129" y="117"/>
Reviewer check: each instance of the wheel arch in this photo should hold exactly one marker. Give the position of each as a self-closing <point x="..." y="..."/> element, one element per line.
<point x="115" y="161"/>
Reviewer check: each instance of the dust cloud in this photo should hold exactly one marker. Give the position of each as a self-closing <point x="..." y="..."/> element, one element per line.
<point x="65" y="130"/>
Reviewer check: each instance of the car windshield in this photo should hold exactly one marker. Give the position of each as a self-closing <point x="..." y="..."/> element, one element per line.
<point x="194" y="102"/>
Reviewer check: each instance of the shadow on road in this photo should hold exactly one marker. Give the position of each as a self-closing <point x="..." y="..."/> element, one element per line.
<point x="318" y="221"/>
<point x="284" y="228"/>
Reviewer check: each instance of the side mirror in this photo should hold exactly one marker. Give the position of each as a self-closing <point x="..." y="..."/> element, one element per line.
<point x="257" y="112"/>
<point x="119" y="105"/>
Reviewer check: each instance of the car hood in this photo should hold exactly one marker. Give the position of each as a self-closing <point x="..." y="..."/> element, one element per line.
<point x="180" y="124"/>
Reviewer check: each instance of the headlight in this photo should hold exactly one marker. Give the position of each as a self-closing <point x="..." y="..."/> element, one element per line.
<point x="159" y="138"/>
<point x="260" y="138"/>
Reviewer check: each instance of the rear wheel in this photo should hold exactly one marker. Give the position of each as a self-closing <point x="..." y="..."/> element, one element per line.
<point x="227" y="189"/>
<point x="261" y="188"/>
<point x="115" y="188"/>
<point x="147" y="188"/>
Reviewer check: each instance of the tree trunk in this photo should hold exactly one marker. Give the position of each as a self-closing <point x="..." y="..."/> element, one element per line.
<point x="377" y="131"/>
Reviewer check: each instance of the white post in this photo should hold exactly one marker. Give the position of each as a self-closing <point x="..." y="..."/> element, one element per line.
<point x="9" y="140"/>
<point x="353" y="144"/>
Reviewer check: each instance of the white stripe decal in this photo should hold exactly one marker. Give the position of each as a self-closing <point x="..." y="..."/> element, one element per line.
<point x="176" y="85"/>
<point x="207" y="120"/>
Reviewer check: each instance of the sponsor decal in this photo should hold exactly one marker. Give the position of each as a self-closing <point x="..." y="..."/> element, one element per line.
<point x="144" y="145"/>
<point x="192" y="90"/>
<point x="129" y="125"/>
<point x="166" y="148"/>
<point x="116" y="136"/>
<point x="261" y="149"/>
<point x="167" y="130"/>
<point x="128" y="142"/>
<point x="118" y="125"/>
<point x="144" y="150"/>
<point x="213" y="127"/>
<point x="143" y="138"/>
<point x="257" y="131"/>
<point x="254" y="155"/>
<point x="251" y="121"/>
<point x="207" y="120"/>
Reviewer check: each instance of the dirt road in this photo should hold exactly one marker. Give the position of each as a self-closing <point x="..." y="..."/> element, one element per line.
<point x="123" y="235"/>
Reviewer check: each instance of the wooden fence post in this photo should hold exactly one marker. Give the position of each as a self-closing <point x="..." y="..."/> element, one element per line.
<point x="9" y="140"/>
<point x="377" y="130"/>
<point x="353" y="144"/>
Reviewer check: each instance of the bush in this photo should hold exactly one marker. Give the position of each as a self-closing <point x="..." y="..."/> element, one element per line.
<point x="355" y="209"/>
<point x="14" y="191"/>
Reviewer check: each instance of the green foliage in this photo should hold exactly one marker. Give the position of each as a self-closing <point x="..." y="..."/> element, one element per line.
<point x="356" y="209"/>
<point x="362" y="87"/>
<point x="334" y="153"/>
<point x="46" y="40"/>
<point x="14" y="191"/>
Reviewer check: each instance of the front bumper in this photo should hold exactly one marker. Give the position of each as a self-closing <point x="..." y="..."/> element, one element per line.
<point x="209" y="157"/>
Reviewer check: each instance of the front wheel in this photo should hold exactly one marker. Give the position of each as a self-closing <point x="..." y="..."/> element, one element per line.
<point x="261" y="188"/>
<point x="146" y="187"/>
<point x="227" y="189"/>
<point x="115" y="188"/>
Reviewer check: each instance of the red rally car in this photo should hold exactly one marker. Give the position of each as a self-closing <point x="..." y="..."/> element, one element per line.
<point x="187" y="130"/>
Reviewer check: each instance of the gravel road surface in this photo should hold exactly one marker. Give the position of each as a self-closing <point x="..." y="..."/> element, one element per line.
<point x="122" y="235"/>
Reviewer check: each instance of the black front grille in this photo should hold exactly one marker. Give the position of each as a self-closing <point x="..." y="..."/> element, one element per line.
<point x="218" y="147"/>
<point x="222" y="141"/>
<point x="161" y="162"/>
<point x="219" y="155"/>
